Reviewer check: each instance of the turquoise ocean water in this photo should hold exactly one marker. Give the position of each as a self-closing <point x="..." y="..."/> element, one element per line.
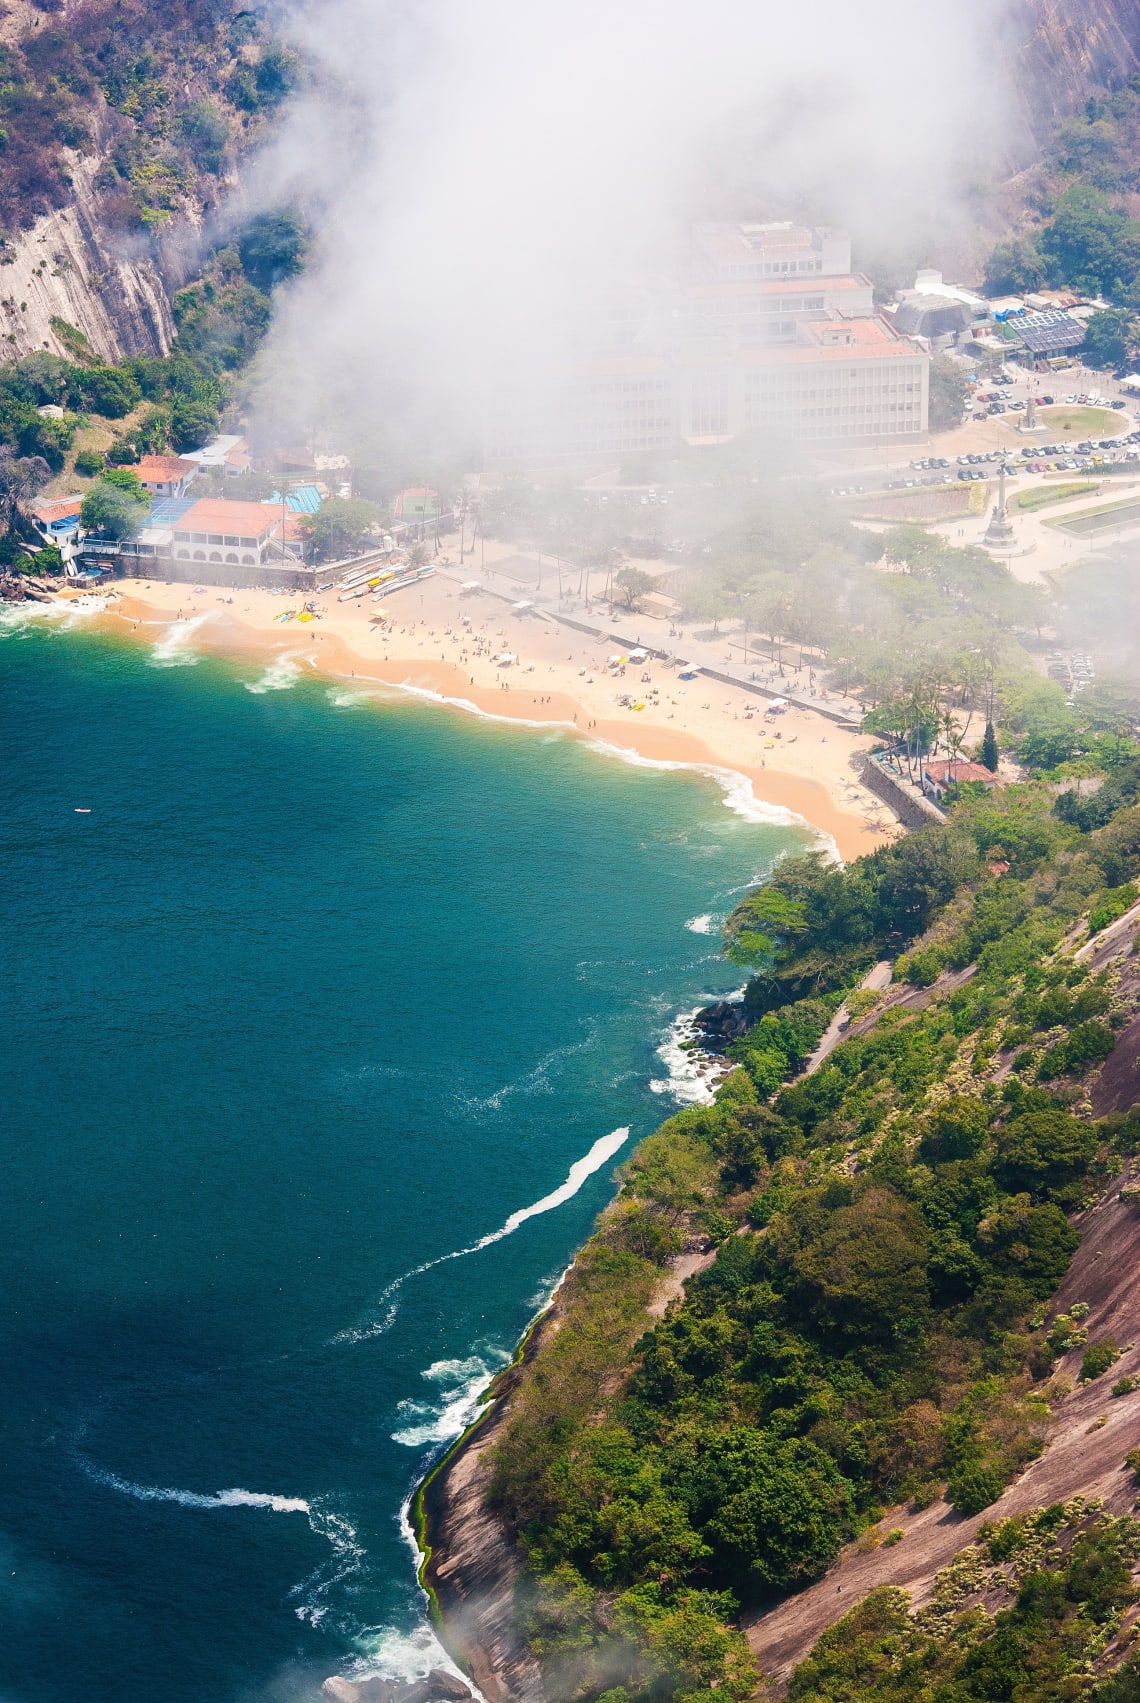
<point x="321" y="989"/>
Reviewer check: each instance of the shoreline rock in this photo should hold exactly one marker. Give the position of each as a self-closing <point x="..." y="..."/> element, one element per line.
<point x="474" y="1563"/>
<point x="438" y="1687"/>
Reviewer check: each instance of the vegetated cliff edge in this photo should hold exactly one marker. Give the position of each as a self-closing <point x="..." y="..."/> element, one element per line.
<point x="69" y="269"/>
<point x="122" y="125"/>
<point x="1067" y="50"/>
<point x="474" y="1566"/>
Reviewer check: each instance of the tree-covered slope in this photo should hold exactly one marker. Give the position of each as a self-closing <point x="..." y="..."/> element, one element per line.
<point x="876" y="1325"/>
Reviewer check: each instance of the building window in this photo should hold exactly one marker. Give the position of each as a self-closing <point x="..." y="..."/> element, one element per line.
<point x="710" y="405"/>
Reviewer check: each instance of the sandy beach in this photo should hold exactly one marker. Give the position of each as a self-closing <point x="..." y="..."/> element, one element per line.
<point x="442" y="640"/>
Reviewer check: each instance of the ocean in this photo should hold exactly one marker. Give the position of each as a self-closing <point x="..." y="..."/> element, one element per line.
<point x="326" y="1019"/>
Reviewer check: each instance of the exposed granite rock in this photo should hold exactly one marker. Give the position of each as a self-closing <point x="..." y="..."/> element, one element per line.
<point x="438" y="1687"/>
<point x="720" y="1023"/>
<point x="474" y="1563"/>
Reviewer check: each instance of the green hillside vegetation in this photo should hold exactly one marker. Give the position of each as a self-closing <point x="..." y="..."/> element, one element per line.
<point x="876" y="1323"/>
<point x="1082" y="230"/>
<point x="166" y="92"/>
<point x="151" y="405"/>
<point x="1062" y="1577"/>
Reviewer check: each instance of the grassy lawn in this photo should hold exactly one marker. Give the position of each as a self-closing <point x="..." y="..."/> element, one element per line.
<point x="947" y="502"/>
<point x="1043" y="494"/>
<point x="1084" y="422"/>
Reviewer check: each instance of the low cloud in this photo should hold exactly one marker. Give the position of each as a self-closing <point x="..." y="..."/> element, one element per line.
<point x="481" y="178"/>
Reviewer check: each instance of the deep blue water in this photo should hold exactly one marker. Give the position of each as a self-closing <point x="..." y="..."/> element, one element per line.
<point x="319" y="990"/>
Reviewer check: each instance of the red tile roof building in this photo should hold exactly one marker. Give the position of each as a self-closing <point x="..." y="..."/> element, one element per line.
<point x="165" y="475"/>
<point x="941" y="773"/>
<point x="217" y="530"/>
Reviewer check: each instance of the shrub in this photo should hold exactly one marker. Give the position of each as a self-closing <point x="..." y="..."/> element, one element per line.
<point x="859" y="1003"/>
<point x="191" y="424"/>
<point x="110" y="391"/>
<point x="956" y="1129"/>
<point x="1043" y="1150"/>
<point x="974" y="1486"/>
<point x="112" y="511"/>
<point x="1110" y="904"/>
<point x="1099" y="1356"/>
<point x="89" y="462"/>
<point x="1125" y="1386"/>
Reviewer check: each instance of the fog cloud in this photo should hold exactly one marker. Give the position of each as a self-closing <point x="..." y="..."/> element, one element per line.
<point x="480" y="176"/>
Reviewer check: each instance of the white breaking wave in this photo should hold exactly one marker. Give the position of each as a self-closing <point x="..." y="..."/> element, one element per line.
<point x="340" y="699"/>
<point x="282" y="673"/>
<point x="192" y="1499"/>
<point x="172" y="649"/>
<point x="682" y="1060"/>
<point x="403" y="1656"/>
<point x="477" y="710"/>
<point x="737" y="788"/>
<point x="466" y="1382"/>
<point x="16" y="618"/>
<point x="700" y="925"/>
<point x="396" y="1654"/>
<point x="311" y="1596"/>
<point x="604" y="1148"/>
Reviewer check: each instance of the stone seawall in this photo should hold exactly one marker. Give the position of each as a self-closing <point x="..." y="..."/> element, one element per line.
<point x="908" y="804"/>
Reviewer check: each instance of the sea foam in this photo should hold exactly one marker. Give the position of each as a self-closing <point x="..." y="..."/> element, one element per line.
<point x="681" y="1059"/>
<point x="19" y="618"/>
<point x="311" y="1598"/>
<point x="737" y="788"/>
<point x="477" y="709"/>
<point x="172" y="649"/>
<point x="192" y="1498"/>
<point x="282" y="673"/>
<point x="604" y="1148"/>
<point x="463" y="1385"/>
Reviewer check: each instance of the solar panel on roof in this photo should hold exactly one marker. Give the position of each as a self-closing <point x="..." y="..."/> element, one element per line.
<point x="1048" y="333"/>
<point x="169" y="509"/>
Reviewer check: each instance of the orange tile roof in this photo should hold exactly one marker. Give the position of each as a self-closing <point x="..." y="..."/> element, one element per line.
<point x="218" y="514"/>
<point x="163" y="469"/>
<point x="945" y="773"/>
<point x="56" y="508"/>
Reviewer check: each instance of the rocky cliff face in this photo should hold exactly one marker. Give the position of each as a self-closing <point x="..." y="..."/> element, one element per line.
<point x="1061" y="52"/>
<point x="122" y="127"/>
<point x="69" y="270"/>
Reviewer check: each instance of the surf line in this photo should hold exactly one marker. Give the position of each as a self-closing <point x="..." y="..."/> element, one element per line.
<point x="604" y="1148"/>
<point x="191" y="1498"/>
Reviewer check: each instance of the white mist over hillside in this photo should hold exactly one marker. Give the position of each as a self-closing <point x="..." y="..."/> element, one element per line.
<point x="479" y="177"/>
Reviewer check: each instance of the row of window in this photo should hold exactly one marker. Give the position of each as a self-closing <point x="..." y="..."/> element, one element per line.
<point x="215" y="556"/>
<point x="772" y="268"/>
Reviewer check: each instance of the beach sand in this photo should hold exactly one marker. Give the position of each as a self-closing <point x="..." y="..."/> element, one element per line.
<point x="559" y="677"/>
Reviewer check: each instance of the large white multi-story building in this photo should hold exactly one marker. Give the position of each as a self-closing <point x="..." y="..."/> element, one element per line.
<point x="770" y="332"/>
